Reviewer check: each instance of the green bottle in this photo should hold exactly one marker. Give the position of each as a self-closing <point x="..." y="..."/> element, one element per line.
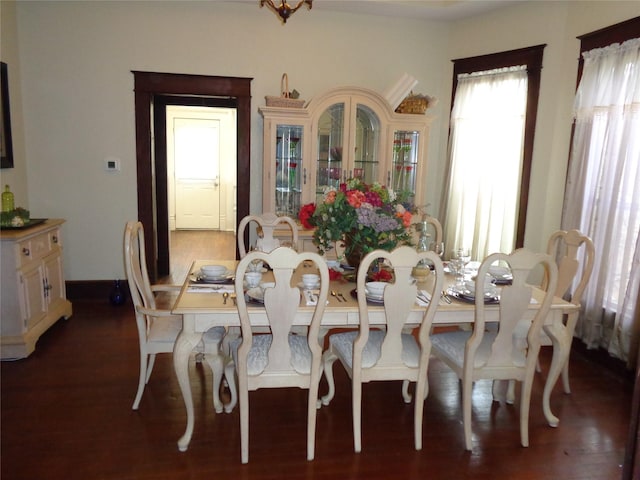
<point x="7" y="200"/>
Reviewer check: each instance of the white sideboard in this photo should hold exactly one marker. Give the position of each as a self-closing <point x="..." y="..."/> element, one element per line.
<point x="33" y="289"/>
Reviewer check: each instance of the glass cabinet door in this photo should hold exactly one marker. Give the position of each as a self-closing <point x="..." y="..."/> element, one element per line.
<point x="405" y="164"/>
<point x="366" y="161"/>
<point x="289" y="165"/>
<point x="346" y="154"/>
<point x="330" y="148"/>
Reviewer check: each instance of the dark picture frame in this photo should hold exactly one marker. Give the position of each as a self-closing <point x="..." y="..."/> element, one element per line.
<point x="6" y="142"/>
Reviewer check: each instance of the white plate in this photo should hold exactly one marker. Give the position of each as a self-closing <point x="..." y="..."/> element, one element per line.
<point x="469" y="296"/>
<point x="204" y="279"/>
<point x="374" y="299"/>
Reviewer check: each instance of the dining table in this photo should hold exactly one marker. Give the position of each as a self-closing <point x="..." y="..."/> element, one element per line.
<point x="203" y="306"/>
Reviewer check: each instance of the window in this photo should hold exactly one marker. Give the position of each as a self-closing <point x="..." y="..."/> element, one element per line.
<point x="602" y="197"/>
<point x="514" y="74"/>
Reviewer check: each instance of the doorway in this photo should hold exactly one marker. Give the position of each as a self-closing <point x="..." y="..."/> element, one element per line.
<point x="153" y="91"/>
<point x="201" y="166"/>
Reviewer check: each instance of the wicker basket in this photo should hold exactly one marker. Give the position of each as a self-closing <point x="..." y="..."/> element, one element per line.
<point x="417" y="104"/>
<point x="284" y="100"/>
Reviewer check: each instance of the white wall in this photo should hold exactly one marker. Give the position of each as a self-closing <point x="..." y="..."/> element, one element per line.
<point x="15" y="177"/>
<point x="75" y="62"/>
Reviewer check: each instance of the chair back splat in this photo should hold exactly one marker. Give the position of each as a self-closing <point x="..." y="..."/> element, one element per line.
<point x="266" y="225"/>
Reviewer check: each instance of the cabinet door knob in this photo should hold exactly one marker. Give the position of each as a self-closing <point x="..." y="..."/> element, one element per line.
<point x="26" y="251"/>
<point x="55" y="239"/>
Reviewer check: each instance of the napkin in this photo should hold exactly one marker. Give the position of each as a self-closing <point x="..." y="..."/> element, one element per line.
<point x="422" y="294"/>
<point x="311" y="297"/>
<point x="209" y="289"/>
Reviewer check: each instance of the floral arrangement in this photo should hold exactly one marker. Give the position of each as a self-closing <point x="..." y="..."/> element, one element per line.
<point x="17" y="217"/>
<point x="365" y="216"/>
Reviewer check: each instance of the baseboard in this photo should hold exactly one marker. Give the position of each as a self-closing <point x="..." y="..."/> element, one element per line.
<point x="94" y="290"/>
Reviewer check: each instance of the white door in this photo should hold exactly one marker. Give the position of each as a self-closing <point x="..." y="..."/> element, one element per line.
<point x="197" y="173"/>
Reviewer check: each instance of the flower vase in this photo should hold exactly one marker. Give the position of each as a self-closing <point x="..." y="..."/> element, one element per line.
<point x="354" y="258"/>
<point x="354" y="253"/>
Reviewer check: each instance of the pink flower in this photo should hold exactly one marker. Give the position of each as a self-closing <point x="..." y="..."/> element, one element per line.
<point x="355" y="198"/>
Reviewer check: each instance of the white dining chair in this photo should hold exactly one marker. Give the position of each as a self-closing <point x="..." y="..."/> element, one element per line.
<point x="492" y="353"/>
<point x="433" y="224"/>
<point x="574" y="254"/>
<point x="386" y="353"/>
<point x="158" y="328"/>
<point x="266" y="225"/>
<point x="280" y="358"/>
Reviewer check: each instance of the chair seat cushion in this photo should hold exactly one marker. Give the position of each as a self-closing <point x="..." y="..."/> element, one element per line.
<point x="164" y="330"/>
<point x="451" y="345"/>
<point x="342" y="343"/>
<point x="259" y="353"/>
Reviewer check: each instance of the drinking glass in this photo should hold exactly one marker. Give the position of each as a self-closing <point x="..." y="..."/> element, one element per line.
<point x="456" y="264"/>
<point x="464" y="254"/>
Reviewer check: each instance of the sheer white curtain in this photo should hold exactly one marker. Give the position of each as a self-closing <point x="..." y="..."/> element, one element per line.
<point x="487" y="136"/>
<point x="603" y="191"/>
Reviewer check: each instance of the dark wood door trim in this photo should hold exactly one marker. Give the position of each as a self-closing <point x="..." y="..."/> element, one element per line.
<point x="152" y="209"/>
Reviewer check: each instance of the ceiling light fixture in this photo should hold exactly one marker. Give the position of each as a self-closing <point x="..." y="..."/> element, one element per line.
<point x="284" y="10"/>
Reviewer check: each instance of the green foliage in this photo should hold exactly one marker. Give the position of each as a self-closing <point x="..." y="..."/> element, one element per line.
<point x="16" y="217"/>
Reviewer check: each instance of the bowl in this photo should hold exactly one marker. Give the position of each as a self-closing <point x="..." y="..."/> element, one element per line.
<point x="310" y="280"/>
<point x="213" y="270"/>
<point x="253" y="279"/>
<point x="333" y="264"/>
<point x="375" y="288"/>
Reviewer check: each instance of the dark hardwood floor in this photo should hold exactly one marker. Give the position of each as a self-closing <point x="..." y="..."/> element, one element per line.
<point x="66" y="414"/>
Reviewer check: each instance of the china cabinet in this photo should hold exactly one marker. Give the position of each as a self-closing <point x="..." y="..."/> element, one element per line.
<point x="345" y="133"/>
<point x="33" y="288"/>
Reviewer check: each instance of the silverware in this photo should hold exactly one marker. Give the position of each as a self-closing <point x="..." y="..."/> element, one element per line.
<point x="207" y="288"/>
<point x="423" y="297"/>
<point x="445" y="297"/>
<point x="334" y="294"/>
<point x="342" y="296"/>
